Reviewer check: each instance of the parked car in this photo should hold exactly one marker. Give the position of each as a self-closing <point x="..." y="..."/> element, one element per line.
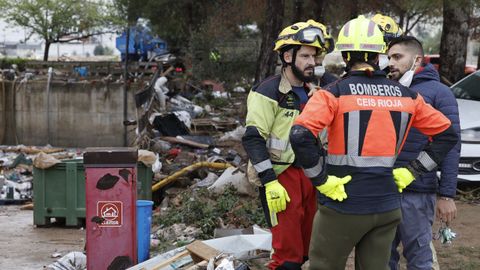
<point x="434" y="59"/>
<point x="467" y="92"/>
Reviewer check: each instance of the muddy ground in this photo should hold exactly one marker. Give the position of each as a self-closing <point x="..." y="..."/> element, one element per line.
<point x="22" y="246"/>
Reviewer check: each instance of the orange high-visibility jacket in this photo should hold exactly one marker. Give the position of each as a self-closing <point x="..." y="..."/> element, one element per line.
<point x="368" y="118"/>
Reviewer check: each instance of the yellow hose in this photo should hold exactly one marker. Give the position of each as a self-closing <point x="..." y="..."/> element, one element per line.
<point x="191" y="168"/>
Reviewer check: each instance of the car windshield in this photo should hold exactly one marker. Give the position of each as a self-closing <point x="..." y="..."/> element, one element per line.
<point x="469" y="88"/>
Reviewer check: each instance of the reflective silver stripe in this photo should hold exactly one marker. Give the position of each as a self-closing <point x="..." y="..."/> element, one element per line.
<point x="357" y="161"/>
<point x="353" y="132"/>
<point x="426" y="161"/>
<point x="315" y="170"/>
<point x="277" y="144"/>
<point x="263" y="166"/>
<point x="403" y="128"/>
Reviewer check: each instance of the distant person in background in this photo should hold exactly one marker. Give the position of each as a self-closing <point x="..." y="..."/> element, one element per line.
<point x="418" y="199"/>
<point x="390" y="30"/>
<point x="322" y="76"/>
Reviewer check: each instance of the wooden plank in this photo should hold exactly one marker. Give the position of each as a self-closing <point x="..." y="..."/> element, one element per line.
<point x="200" y="265"/>
<point x="200" y="251"/>
<point x="167" y="262"/>
<point x="184" y="141"/>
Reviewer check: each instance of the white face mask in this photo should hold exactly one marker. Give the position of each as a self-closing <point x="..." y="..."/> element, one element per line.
<point x="406" y="79"/>
<point x="319" y="71"/>
<point x="383" y="61"/>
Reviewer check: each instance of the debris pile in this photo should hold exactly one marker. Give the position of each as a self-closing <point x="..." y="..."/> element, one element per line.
<point x="16" y="167"/>
<point x="190" y="137"/>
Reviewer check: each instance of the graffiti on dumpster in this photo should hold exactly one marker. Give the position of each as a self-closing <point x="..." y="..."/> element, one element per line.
<point x="107" y="181"/>
<point x="111" y="212"/>
<point x="124" y="173"/>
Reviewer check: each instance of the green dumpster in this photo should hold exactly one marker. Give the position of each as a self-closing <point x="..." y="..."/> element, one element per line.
<point x="59" y="191"/>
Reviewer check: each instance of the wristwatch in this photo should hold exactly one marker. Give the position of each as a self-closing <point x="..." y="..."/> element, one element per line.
<point x="445" y="198"/>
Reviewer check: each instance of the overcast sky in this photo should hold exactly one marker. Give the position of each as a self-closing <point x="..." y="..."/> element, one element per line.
<point x="12" y="34"/>
<point x="9" y="33"/>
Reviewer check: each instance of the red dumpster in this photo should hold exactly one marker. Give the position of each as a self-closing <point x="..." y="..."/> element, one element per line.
<point x="110" y="189"/>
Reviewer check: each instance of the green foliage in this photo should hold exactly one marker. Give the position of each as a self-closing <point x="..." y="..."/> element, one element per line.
<point x="237" y="60"/>
<point x="203" y="210"/>
<point x="193" y="28"/>
<point x="431" y="44"/>
<point x="59" y="20"/>
<point x="6" y="63"/>
<point x="218" y="103"/>
<point x="101" y="50"/>
<point x="98" y="50"/>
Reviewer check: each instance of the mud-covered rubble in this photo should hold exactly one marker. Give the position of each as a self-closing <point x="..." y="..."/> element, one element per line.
<point x="16" y="170"/>
<point x="207" y="130"/>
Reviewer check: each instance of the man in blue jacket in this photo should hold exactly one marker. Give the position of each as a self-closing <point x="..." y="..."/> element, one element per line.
<point x="420" y="198"/>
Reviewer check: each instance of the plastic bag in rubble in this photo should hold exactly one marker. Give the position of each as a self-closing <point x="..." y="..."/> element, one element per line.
<point x="226" y="264"/>
<point x="44" y="161"/>
<point x="72" y="261"/>
<point x="239" y="89"/>
<point x="207" y="181"/>
<point x="185" y="117"/>
<point x="146" y="157"/>
<point x="179" y="103"/>
<point x="234" y="135"/>
<point x="157" y="165"/>
<point x="232" y="176"/>
<point x="161" y="90"/>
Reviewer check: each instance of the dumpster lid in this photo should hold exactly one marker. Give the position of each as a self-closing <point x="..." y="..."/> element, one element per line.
<point x="119" y="156"/>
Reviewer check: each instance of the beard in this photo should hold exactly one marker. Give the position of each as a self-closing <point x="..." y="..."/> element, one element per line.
<point x="301" y="75"/>
<point x="395" y="75"/>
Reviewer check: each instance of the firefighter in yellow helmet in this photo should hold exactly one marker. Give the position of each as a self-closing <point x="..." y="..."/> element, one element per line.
<point x="390" y="30"/>
<point x="388" y="26"/>
<point x="368" y="117"/>
<point x="286" y="193"/>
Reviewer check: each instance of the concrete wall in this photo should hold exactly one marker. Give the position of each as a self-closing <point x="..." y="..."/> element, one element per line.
<point x="81" y="114"/>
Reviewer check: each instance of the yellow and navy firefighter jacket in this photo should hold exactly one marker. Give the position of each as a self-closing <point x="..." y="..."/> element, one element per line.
<point x="272" y="108"/>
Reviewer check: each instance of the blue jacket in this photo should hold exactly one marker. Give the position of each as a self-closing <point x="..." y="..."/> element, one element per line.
<point x="427" y="83"/>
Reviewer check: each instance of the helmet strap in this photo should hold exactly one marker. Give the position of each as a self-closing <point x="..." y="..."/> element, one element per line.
<point x="294" y="55"/>
<point x="294" y="49"/>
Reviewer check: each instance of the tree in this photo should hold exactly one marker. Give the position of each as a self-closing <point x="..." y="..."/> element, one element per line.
<point x="59" y="21"/>
<point x="474" y="26"/>
<point x="318" y="10"/>
<point x="176" y="21"/>
<point x="431" y="43"/>
<point x="268" y="58"/>
<point x="410" y="13"/>
<point x="298" y="11"/>
<point x="453" y="46"/>
<point x="102" y="50"/>
<point x="98" y="50"/>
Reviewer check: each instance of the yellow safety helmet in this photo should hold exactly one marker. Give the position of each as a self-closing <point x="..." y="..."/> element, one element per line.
<point x="388" y="26"/>
<point x="362" y="35"/>
<point x="329" y="43"/>
<point x="304" y="33"/>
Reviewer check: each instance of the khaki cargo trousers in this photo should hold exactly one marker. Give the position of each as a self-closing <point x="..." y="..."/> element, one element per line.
<point x="335" y="235"/>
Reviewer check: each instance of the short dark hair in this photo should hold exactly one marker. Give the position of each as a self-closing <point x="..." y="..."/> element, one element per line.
<point x="355" y="57"/>
<point x="408" y="41"/>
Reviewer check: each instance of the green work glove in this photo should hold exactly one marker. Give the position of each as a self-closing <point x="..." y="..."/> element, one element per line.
<point x="277" y="196"/>
<point x="333" y="187"/>
<point x="403" y="177"/>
